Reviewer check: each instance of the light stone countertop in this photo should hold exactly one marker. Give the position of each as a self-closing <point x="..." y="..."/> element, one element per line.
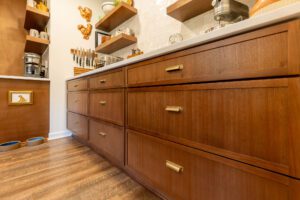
<point x="289" y="12"/>
<point x="23" y="78"/>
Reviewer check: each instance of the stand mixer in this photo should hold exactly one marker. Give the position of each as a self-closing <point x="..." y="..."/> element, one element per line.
<point x="228" y="12"/>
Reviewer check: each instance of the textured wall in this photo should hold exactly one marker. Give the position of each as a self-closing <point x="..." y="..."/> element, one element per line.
<point x="153" y="26"/>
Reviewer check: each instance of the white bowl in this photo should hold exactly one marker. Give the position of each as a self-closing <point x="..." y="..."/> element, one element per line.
<point x="107" y="7"/>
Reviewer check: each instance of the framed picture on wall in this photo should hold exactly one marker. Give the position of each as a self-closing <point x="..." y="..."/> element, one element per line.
<point x="98" y="37"/>
<point x="20" y="97"/>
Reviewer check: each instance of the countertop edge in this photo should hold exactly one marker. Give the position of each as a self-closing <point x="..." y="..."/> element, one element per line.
<point x="24" y="78"/>
<point x="289" y="12"/>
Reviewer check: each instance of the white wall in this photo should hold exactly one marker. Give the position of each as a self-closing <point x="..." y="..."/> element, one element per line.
<point x="64" y="35"/>
<point x="152" y="27"/>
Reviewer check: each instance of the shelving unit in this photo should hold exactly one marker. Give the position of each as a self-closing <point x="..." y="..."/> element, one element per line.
<point x="183" y="10"/>
<point x="36" y="19"/>
<point x="116" y="43"/>
<point x="36" y="45"/>
<point x="116" y="17"/>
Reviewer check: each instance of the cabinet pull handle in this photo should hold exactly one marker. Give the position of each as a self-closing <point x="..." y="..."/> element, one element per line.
<point x="76" y="101"/>
<point x="173" y="166"/>
<point x="174" y="68"/>
<point x="76" y="86"/>
<point x="102" y="81"/>
<point x="102" y="102"/>
<point x="102" y="134"/>
<point x="174" y="109"/>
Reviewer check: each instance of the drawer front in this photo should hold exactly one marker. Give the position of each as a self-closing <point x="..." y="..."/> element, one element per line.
<point x="78" y="102"/>
<point x="110" y="80"/>
<point x="108" y="106"/>
<point x="180" y="173"/>
<point x="78" y="124"/>
<point x="77" y="85"/>
<point x="256" y="122"/>
<point x="108" y="138"/>
<point x="263" y="53"/>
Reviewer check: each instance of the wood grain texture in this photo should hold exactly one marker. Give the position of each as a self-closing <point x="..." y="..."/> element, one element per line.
<point x="78" y="124"/>
<point x="36" y="45"/>
<point x="204" y="176"/>
<point x="108" y="80"/>
<point x="77" y="85"/>
<point x="64" y="169"/>
<point x="23" y="122"/>
<point x="12" y="37"/>
<point x="108" y="138"/>
<point x="183" y="10"/>
<point x="242" y="120"/>
<point x="36" y="19"/>
<point x="78" y="102"/>
<point x="108" y="105"/>
<point x="116" y="43"/>
<point x="116" y="17"/>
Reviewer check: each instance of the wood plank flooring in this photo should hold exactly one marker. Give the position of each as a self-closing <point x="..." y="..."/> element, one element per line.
<point x="64" y="170"/>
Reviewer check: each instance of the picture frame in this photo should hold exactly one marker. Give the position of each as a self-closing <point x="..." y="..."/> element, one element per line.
<point x="20" y="97"/>
<point x="98" y="37"/>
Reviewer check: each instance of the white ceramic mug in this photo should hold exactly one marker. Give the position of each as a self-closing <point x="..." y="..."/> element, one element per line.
<point x="44" y="35"/>
<point x="30" y="3"/>
<point x="34" y="33"/>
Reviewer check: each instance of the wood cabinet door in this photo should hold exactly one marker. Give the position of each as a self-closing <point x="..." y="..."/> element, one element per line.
<point x="78" y="124"/>
<point x="267" y="52"/>
<point x="256" y="122"/>
<point x="108" y="138"/>
<point x="111" y="79"/>
<point x="78" y="102"/>
<point x="77" y="85"/>
<point x="179" y="172"/>
<point x="108" y="105"/>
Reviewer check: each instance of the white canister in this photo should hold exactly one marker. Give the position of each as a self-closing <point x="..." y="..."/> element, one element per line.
<point x="30" y="3"/>
<point x="34" y="33"/>
<point x="44" y="35"/>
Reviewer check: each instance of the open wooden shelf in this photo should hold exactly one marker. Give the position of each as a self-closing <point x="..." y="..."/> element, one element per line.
<point x="36" y="19"/>
<point x="117" y="16"/>
<point x="183" y="10"/>
<point x="36" y="45"/>
<point x="116" y="43"/>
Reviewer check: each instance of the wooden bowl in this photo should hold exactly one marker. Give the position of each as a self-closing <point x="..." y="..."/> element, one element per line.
<point x="7" y="146"/>
<point x="35" y="141"/>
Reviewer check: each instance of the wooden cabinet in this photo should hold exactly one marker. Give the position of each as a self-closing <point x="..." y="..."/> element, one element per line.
<point x="108" y="105"/>
<point x="184" y="173"/>
<point x="108" y="138"/>
<point x="248" y="121"/>
<point x="261" y="53"/>
<point x="77" y="85"/>
<point x="219" y="121"/>
<point x="114" y="79"/>
<point x="78" y="124"/>
<point x="78" y="102"/>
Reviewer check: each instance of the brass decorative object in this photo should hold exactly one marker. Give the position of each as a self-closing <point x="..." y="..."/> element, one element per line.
<point x="20" y="97"/>
<point x="86" y="31"/>
<point x="85" y="13"/>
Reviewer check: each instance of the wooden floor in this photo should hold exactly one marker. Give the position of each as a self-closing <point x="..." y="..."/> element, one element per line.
<point x="64" y="170"/>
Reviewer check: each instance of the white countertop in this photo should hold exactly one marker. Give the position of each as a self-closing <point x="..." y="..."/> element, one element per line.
<point x="289" y="12"/>
<point x="23" y="78"/>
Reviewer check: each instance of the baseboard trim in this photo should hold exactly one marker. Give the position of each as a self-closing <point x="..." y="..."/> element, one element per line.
<point x="59" y="134"/>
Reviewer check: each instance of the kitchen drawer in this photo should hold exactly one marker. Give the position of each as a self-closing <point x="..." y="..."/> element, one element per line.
<point x="266" y="52"/>
<point x="254" y="121"/>
<point x="182" y="173"/>
<point x="77" y="85"/>
<point x="78" y="124"/>
<point x="78" y="102"/>
<point x="108" y="138"/>
<point x="108" y="105"/>
<point x="112" y="79"/>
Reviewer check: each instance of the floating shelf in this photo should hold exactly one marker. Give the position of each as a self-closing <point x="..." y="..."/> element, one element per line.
<point x="183" y="10"/>
<point x="117" y="16"/>
<point x="116" y="43"/>
<point x="36" y="19"/>
<point x="36" y="45"/>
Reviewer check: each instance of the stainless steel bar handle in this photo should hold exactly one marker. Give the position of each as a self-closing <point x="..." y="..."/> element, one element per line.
<point x="174" y="68"/>
<point x="173" y="166"/>
<point x="174" y="109"/>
